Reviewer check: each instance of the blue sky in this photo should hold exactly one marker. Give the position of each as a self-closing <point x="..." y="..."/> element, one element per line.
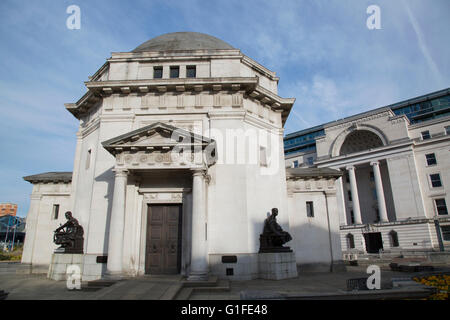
<point x="322" y="50"/>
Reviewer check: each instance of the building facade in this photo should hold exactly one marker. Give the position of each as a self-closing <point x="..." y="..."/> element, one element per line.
<point x="8" y="209"/>
<point x="395" y="160"/>
<point x="179" y="159"/>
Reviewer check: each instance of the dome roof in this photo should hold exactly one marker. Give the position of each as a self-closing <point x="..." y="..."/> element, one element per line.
<point x="183" y="41"/>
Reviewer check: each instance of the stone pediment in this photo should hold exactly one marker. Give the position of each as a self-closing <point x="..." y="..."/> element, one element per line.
<point x="157" y="136"/>
<point x="160" y="143"/>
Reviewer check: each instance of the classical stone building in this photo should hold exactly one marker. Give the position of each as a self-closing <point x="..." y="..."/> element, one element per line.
<point x="395" y="160"/>
<point x="179" y="159"/>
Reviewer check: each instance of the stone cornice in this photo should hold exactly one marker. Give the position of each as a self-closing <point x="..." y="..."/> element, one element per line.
<point x="177" y="84"/>
<point x="177" y="54"/>
<point x="247" y="85"/>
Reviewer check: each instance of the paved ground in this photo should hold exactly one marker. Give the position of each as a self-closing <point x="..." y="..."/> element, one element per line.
<point x="165" y="287"/>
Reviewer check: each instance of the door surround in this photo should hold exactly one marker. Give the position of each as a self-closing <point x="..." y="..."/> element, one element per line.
<point x="166" y="196"/>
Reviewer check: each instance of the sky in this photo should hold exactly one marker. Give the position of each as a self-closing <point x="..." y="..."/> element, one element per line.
<point x="322" y="50"/>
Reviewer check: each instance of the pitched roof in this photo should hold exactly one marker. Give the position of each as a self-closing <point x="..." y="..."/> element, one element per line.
<point x="49" y="177"/>
<point x="312" y="172"/>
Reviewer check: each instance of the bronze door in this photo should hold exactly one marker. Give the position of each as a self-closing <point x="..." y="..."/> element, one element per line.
<point x="163" y="247"/>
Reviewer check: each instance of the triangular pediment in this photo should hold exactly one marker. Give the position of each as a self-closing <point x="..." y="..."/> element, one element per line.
<point x="155" y="136"/>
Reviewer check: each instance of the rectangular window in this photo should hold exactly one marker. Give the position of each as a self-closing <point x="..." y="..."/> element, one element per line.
<point x="309" y="209"/>
<point x="88" y="159"/>
<point x="191" y="71"/>
<point x="445" y="230"/>
<point x="263" y="156"/>
<point x="175" y="72"/>
<point x="441" y="206"/>
<point x="296" y="164"/>
<point x="431" y="159"/>
<point x="55" y="212"/>
<point x="425" y="135"/>
<point x="310" y="161"/>
<point x="157" y="72"/>
<point x="435" y="180"/>
<point x="349" y="193"/>
<point x="352" y="217"/>
<point x="447" y="130"/>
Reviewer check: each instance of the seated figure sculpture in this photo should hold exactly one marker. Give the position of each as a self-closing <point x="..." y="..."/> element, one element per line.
<point x="69" y="236"/>
<point x="273" y="236"/>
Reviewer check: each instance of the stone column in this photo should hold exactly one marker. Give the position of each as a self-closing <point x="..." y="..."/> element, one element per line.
<point x="199" y="255"/>
<point x="116" y="227"/>
<point x="380" y="192"/>
<point x="355" y="197"/>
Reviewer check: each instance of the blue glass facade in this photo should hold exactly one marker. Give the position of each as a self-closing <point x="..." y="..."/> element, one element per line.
<point x="426" y="110"/>
<point x="298" y="142"/>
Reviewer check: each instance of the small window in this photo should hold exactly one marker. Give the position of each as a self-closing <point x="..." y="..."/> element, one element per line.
<point x="309" y="209"/>
<point x="263" y="156"/>
<point x="445" y="230"/>
<point x="425" y="135"/>
<point x="88" y="159"/>
<point x="310" y="161"/>
<point x="435" y="180"/>
<point x="157" y="72"/>
<point x="393" y="237"/>
<point x="295" y="163"/>
<point x="55" y="212"/>
<point x="350" y="241"/>
<point x="431" y="159"/>
<point x="349" y="193"/>
<point x="447" y="130"/>
<point x="175" y="72"/>
<point x="352" y="217"/>
<point x="191" y="71"/>
<point x="441" y="207"/>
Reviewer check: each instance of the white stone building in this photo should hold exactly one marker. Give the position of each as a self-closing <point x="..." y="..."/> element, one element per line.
<point x="394" y="193"/>
<point x="179" y="159"/>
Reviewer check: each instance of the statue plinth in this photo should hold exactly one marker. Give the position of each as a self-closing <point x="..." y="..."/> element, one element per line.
<point x="275" y="262"/>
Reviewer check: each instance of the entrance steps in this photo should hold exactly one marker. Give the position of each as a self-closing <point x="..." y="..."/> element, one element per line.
<point x="212" y="285"/>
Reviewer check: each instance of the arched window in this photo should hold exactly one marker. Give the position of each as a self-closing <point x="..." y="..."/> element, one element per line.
<point x="360" y="140"/>
<point x="393" y="237"/>
<point x="350" y="241"/>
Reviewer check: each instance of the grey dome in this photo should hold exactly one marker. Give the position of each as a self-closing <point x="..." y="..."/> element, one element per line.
<point x="183" y="41"/>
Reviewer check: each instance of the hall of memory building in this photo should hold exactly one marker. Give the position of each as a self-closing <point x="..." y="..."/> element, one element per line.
<point x="179" y="160"/>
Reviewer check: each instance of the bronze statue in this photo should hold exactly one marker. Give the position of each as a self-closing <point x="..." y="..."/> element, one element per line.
<point x="273" y="236"/>
<point x="69" y="236"/>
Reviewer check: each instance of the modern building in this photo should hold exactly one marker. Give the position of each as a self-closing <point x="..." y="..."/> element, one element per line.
<point x="395" y="189"/>
<point x="179" y="160"/>
<point x="8" y="209"/>
<point x="12" y="229"/>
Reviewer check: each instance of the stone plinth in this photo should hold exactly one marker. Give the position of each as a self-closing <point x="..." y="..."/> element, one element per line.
<point x="277" y="265"/>
<point x="60" y="262"/>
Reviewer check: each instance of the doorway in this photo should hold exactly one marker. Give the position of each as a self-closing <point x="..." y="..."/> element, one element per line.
<point x="163" y="239"/>
<point x="373" y="241"/>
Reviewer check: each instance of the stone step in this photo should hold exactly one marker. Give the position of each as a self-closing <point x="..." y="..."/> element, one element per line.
<point x="211" y="282"/>
<point x="95" y="285"/>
